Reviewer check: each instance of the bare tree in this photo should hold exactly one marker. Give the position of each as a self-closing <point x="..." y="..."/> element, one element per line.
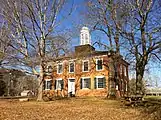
<point x="108" y="17"/>
<point x="142" y="31"/>
<point x="30" y="23"/>
<point x="136" y="23"/>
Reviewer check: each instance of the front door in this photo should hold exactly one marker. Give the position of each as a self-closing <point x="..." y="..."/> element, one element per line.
<point x="71" y="86"/>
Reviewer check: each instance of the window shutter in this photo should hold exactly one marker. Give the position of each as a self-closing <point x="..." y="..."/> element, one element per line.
<point x="81" y="83"/>
<point x="50" y="84"/>
<point x="43" y="85"/>
<point x="104" y="82"/>
<point x="89" y="83"/>
<point x="55" y="84"/>
<point x="62" y="84"/>
<point x="95" y="83"/>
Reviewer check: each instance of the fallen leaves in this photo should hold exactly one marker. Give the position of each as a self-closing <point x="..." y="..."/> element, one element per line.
<point x="73" y="109"/>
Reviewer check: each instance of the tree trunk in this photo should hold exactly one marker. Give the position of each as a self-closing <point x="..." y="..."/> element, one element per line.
<point x="40" y="83"/>
<point x="139" y="77"/>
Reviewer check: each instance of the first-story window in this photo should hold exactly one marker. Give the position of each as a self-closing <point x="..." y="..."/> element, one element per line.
<point x="59" y="84"/>
<point x="125" y="71"/>
<point x="85" y="83"/>
<point x="100" y="82"/>
<point x="71" y="67"/>
<point x="47" y="85"/>
<point x="121" y="69"/>
<point x="126" y="86"/>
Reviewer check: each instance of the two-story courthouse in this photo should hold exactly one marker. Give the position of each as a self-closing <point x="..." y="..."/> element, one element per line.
<point x="88" y="72"/>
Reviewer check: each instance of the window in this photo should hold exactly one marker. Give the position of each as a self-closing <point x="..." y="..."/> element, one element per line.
<point x="59" y="84"/>
<point x="100" y="82"/>
<point x="120" y="69"/>
<point x="125" y="71"/>
<point x="71" y="67"/>
<point x="85" y="66"/>
<point x="82" y="36"/>
<point x="126" y="86"/>
<point x="85" y="83"/>
<point x="99" y="64"/>
<point x="47" y="85"/>
<point x="60" y="68"/>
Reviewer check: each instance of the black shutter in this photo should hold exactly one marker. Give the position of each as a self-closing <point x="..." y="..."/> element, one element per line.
<point x="81" y="83"/>
<point x="89" y="83"/>
<point x="50" y="84"/>
<point x="55" y="84"/>
<point x="104" y="82"/>
<point x="62" y="84"/>
<point x="43" y="85"/>
<point x="95" y="83"/>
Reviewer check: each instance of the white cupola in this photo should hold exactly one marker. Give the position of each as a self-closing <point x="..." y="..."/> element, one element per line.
<point x="85" y="37"/>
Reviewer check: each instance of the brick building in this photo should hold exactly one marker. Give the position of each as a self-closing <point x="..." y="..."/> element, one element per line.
<point x="88" y="72"/>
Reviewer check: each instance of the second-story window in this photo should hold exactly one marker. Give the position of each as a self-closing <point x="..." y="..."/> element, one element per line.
<point x="85" y="66"/>
<point x="60" y="68"/>
<point x="71" y="67"/>
<point x="125" y="71"/>
<point x="99" y="64"/>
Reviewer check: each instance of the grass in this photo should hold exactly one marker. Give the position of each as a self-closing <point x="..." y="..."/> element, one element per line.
<point x="153" y="97"/>
<point x="70" y="109"/>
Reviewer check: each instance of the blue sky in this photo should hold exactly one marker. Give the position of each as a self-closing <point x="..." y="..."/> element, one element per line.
<point x="76" y="21"/>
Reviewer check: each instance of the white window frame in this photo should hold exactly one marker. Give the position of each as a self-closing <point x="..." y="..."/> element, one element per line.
<point x="83" y="65"/>
<point x="125" y="71"/>
<point x="69" y="67"/>
<point x="83" y="81"/>
<point x="120" y="69"/>
<point x="46" y="80"/>
<point x="97" y="81"/>
<point x="58" y="68"/>
<point x="97" y="64"/>
<point x="126" y="87"/>
<point x="57" y="84"/>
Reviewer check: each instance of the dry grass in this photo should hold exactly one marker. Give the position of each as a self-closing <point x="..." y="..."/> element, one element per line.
<point x="72" y="109"/>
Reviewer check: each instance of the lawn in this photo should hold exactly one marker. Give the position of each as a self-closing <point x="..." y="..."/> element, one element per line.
<point x="70" y="109"/>
<point x="153" y="97"/>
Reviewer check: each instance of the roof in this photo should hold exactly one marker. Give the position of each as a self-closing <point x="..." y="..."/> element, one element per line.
<point x="86" y="51"/>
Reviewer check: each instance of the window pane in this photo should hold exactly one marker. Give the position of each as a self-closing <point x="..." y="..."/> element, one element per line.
<point x="71" y="67"/>
<point x="85" y="66"/>
<point x="86" y="83"/>
<point x="100" y="82"/>
<point x="99" y="65"/>
<point x="48" y="84"/>
<point x="60" y="68"/>
<point x="58" y="84"/>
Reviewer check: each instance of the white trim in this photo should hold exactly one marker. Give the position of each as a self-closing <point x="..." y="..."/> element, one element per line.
<point x="58" y="67"/>
<point x="69" y="66"/>
<point x="59" y="79"/>
<point x="83" y="65"/>
<point x="99" y="76"/>
<point x="97" y="64"/>
<point x="48" y="79"/>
